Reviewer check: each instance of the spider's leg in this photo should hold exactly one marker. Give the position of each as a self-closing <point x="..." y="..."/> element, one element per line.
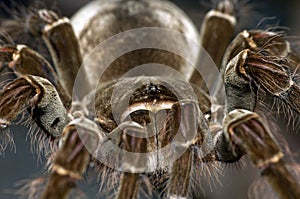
<point x="39" y="97"/>
<point x="265" y="59"/>
<point x="270" y="73"/>
<point x="262" y="42"/>
<point x="216" y="32"/>
<point x="62" y="43"/>
<point x="248" y="67"/>
<point x="72" y="158"/>
<point x="185" y="126"/>
<point x="180" y="132"/>
<point x="130" y="181"/>
<point x="24" y="61"/>
<point x="245" y="130"/>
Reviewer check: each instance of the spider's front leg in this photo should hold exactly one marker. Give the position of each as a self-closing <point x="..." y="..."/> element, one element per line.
<point x="39" y="97"/>
<point x="30" y="66"/>
<point x="22" y="60"/>
<point x="245" y="132"/>
<point x="58" y="35"/>
<point x="72" y="158"/>
<point x="267" y="61"/>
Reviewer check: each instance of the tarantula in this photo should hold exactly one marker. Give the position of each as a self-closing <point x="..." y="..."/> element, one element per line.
<point x="138" y="108"/>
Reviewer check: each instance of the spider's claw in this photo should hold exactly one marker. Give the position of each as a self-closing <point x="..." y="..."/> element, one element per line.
<point x="4" y="124"/>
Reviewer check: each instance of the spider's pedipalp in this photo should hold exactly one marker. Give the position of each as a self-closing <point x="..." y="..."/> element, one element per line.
<point x="130" y="181"/>
<point x="181" y="170"/>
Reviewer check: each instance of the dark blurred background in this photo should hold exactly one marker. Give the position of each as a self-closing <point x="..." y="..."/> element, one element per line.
<point x="21" y="165"/>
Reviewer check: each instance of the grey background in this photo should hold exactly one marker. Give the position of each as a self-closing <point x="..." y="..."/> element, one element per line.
<point x="235" y="182"/>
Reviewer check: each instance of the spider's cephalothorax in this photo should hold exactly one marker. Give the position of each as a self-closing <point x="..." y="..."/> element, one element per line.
<point x="145" y="128"/>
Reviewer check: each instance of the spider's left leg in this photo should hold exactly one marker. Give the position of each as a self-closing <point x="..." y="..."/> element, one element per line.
<point x="59" y="36"/>
<point x="22" y="60"/>
<point x="56" y="33"/>
<point x="40" y="98"/>
<point x="72" y="158"/>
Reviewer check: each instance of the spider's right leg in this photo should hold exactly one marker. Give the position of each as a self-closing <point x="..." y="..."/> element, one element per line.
<point x="261" y="60"/>
<point x="246" y="131"/>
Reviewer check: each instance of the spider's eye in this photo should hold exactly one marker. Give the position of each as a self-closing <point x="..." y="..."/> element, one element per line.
<point x="152" y="89"/>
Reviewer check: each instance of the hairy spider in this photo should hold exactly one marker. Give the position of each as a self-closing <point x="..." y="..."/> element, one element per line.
<point x="144" y="109"/>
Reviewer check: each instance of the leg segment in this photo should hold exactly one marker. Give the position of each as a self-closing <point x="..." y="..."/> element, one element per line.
<point x="246" y="131"/>
<point x="41" y="29"/>
<point x="62" y="43"/>
<point x="216" y="32"/>
<point x="189" y="124"/>
<point x="130" y="182"/>
<point x="263" y="59"/>
<point x="72" y="159"/>
<point x="37" y="95"/>
<point x="179" y="182"/>
<point x="24" y="61"/>
<point x="259" y="59"/>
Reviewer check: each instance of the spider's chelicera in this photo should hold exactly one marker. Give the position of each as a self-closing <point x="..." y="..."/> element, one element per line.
<point x="145" y="107"/>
